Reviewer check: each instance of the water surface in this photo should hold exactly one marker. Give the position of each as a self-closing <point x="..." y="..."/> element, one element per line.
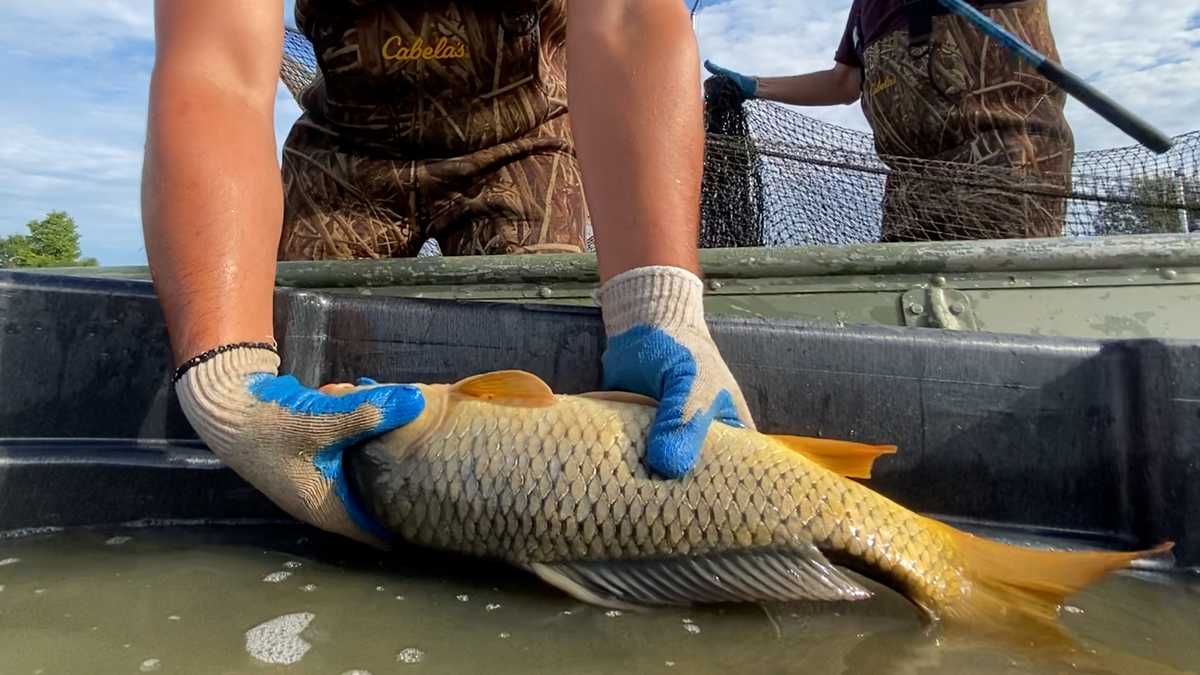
<point x="282" y="599"/>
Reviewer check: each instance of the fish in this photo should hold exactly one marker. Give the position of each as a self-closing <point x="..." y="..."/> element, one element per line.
<point x="498" y="466"/>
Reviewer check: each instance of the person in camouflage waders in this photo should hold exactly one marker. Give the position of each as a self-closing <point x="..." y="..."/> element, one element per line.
<point x="428" y="118"/>
<point x="939" y="94"/>
<point x="433" y="120"/>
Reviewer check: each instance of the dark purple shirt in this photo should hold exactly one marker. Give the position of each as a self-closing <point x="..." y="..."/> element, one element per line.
<point x="872" y="19"/>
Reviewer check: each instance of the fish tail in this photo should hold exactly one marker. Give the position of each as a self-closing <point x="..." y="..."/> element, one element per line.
<point x="1017" y="585"/>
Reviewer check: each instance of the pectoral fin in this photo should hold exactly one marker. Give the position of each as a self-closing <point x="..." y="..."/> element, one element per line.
<point x="757" y="576"/>
<point x="846" y="458"/>
<point x="512" y="387"/>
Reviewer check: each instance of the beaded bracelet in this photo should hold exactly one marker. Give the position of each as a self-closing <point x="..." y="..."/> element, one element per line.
<point x="201" y="358"/>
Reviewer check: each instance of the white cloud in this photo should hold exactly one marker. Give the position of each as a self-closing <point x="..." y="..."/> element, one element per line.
<point x="27" y="152"/>
<point x="70" y="28"/>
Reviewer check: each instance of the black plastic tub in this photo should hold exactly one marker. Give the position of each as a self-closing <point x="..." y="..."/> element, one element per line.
<point x="1090" y="439"/>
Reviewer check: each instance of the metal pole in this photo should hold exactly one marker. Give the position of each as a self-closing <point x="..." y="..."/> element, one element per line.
<point x="1181" y="194"/>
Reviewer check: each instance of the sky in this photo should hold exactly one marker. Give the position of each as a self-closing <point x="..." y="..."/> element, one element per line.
<point x="76" y="74"/>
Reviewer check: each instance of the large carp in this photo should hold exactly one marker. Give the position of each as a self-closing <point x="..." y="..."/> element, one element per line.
<point x="497" y="465"/>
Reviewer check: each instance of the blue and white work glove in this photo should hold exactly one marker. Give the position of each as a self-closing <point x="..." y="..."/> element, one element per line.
<point x="747" y="85"/>
<point x="286" y="439"/>
<point x="659" y="346"/>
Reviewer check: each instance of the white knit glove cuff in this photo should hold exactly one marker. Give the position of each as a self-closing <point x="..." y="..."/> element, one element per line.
<point x="214" y="396"/>
<point x="670" y="298"/>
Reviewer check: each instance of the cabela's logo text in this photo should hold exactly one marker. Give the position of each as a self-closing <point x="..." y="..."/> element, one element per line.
<point x="395" y="50"/>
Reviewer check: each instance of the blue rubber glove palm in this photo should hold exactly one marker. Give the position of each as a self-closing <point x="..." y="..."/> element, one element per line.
<point x="659" y="346"/>
<point x="286" y="439"/>
<point x="747" y="85"/>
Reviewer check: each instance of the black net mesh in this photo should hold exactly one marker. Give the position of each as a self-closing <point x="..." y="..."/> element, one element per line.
<point x="776" y="177"/>
<point x="299" y="62"/>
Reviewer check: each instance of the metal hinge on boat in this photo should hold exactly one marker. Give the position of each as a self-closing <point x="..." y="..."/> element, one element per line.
<point x="938" y="306"/>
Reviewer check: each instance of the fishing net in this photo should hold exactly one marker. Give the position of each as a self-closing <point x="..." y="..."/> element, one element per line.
<point x="299" y="67"/>
<point x="776" y="177"/>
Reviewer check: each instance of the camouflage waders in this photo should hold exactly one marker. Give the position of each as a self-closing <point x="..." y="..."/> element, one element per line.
<point x="962" y="98"/>
<point x="433" y="119"/>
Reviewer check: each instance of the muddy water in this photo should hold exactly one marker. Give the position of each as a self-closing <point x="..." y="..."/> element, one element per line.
<point x="283" y="600"/>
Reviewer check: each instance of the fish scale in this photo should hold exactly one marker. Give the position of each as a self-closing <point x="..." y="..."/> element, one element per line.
<point x="594" y="499"/>
<point x="500" y="467"/>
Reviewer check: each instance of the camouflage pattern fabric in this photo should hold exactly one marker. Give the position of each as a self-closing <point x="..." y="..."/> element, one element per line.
<point x="963" y="98"/>
<point x="444" y="120"/>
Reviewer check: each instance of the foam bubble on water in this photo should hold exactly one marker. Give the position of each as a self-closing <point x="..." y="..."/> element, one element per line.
<point x="410" y="655"/>
<point x="38" y="591"/>
<point x="197" y="461"/>
<point x="174" y="617"/>
<point x="505" y="636"/>
<point x="670" y="664"/>
<point x="308" y="588"/>
<point x="9" y="561"/>
<point x="691" y="628"/>
<point x="117" y="541"/>
<point x="278" y="640"/>
<point x="612" y="613"/>
<point x="492" y="606"/>
<point x="1072" y="609"/>
<point x="357" y="672"/>
<point x="276" y="577"/>
<point x="293" y="564"/>
<point x="399" y="597"/>
<point x="379" y="588"/>
<point x="463" y="598"/>
<point x="25" y="532"/>
<point x="150" y="665"/>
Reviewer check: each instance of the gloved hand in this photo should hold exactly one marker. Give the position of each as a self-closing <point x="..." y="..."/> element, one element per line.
<point x="659" y="346"/>
<point x="748" y="85"/>
<point x="287" y="440"/>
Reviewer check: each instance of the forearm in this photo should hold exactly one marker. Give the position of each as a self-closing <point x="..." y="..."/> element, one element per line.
<point x="211" y="213"/>
<point x="637" y="119"/>
<point x="837" y="86"/>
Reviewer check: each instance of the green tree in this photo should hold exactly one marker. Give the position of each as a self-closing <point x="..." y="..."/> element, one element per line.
<point x="52" y="242"/>
<point x="1142" y="218"/>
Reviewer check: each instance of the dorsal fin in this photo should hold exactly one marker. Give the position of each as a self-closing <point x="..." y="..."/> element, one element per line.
<point x="513" y="387"/>
<point x="846" y="458"/>
<point x="621" y="397"/>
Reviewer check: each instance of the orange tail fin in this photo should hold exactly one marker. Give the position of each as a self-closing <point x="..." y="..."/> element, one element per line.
<point x="1024" y="584"/>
